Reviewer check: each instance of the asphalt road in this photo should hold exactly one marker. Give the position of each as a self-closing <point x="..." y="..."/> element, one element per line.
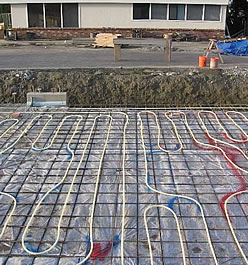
<point x="31" y="57"/>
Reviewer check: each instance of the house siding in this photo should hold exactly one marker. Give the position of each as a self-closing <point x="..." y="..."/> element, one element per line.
<point x="210" y="2"/>
<point x="120" y="16"/>
<point x="117" y="18"/>
<point x="19" y="16"/>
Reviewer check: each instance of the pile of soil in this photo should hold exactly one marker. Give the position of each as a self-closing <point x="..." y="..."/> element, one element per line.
<point x="131" y="87"/>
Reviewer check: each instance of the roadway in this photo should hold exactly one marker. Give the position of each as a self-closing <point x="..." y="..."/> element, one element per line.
<point x="54" y="57"/>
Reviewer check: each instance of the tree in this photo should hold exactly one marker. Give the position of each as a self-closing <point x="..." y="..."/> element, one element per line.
<point x="237" y="17"/>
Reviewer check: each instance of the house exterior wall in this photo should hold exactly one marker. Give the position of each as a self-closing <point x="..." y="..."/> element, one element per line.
<point x="19" y="16"/>
<point x="105" y="15"/>
<point x="210" y="2"/>
<point x="99" y="15"/>
<point x="120" y="16"/>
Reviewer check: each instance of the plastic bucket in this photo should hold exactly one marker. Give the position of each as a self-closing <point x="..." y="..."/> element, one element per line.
<point x="202" y="61"/>
<point x="214" y="61"/>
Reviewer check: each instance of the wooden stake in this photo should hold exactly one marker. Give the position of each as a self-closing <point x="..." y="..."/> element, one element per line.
<point x="167" y="49"/>
<point x="117" y="52"/>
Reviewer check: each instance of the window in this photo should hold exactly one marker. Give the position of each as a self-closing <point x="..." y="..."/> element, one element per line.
<point x="177" y="12"/>
<point x="141" y="11"/>
<point x="212" y="13"/>
<point x="159" y="11"/>
<point x="53" y="15"/>
<point x="70" y="15"/>
<point x="194" y="12"/>
<point x="35" y="16"/>
<point x="4" y="9"/>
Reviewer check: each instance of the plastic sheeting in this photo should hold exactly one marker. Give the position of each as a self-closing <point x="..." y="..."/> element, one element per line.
<point x="201" y="174"/>
<point x="238" y="48"/>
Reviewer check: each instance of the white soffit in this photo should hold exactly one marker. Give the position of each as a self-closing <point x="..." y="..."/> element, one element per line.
<point x="219" y="2"/>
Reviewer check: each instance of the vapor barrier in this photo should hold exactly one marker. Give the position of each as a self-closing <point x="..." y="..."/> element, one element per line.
<point x="129" y="187"/>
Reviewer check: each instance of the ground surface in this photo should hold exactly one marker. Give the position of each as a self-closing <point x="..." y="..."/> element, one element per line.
<point x="46" y="57"/>
<point x="130" y="87"/>
<point x="62" y="160"/>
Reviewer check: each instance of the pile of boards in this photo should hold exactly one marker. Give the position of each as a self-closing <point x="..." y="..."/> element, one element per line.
<point x="105" y="40"/>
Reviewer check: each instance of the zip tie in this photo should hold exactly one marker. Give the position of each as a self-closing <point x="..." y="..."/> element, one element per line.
<point x="234" y="194"/>
<point x="159" y="132"/>
<point x="6" y="131"/>
<point x="123" y="188"/>
<point x="71" y="186"/>
<point x="178" y="230"/>
<point x="71" y="157"/>
<point x="11" y="213"/>
<point x="22" y="134"/>
<point x="243" y="132"/>
<point x="219" y="141"/>
<point x="230" y="224"/>
<point x="170" y="194"/>
<point x="50" y="190"/>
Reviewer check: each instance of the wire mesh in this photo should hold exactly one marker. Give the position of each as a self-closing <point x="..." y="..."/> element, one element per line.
<point x="30" y="172"/>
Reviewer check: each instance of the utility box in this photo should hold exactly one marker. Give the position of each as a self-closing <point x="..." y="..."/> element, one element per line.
<point x="49" y="99"/>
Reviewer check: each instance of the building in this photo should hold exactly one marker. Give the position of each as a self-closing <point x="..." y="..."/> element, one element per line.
<point x="64" y="19"/>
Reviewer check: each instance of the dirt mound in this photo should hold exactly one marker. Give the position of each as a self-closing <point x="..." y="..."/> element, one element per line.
<point x="131" y="87"/>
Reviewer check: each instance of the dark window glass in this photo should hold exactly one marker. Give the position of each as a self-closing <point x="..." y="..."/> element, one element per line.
<point x="53" y="15"/>
<point x="141" y="11"/>
<point x="177" y="12"/>
<point x="159" y="11"/>
<point x="70" y="15"/>
<point x="4" y="8"/>
<point x="212" y="13"/>
<point x="35" y="16"/>
<point x="194" y="12"/>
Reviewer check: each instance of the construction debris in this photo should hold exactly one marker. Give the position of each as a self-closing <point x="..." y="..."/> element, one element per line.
<point x="106" y="40"/>
<point x="82" y="42"/>
<point x="1" y="31"/>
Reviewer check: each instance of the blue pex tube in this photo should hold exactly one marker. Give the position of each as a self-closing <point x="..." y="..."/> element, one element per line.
<point x="172" y="201"/>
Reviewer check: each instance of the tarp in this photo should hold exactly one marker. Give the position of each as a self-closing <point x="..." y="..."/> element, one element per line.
<point x="238" y="48"/>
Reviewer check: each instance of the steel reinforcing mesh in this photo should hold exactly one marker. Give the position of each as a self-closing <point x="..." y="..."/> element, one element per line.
<point x="77" y="183"/>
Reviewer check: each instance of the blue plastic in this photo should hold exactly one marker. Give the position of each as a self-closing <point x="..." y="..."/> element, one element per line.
<point x="172" y="201"/>
<point x="149" y="181"/>
<point x="69" y="152"/>
<point x="116" y="241"/>
<point x="238" y="48"/>
<point x="30" y="248"/>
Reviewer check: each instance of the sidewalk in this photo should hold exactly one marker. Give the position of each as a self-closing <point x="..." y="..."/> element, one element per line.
<point x="18" y="43"/>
